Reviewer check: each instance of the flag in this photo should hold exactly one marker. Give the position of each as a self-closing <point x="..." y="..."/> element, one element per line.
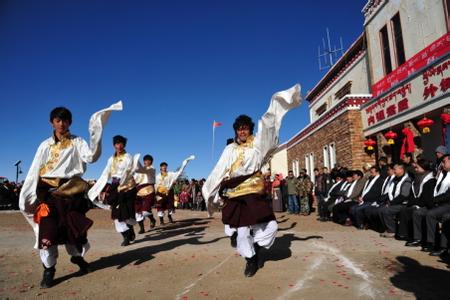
<point x="217" y="124"/>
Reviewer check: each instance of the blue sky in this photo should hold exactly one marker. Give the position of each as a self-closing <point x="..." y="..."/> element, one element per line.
<point x="176" y="65"/>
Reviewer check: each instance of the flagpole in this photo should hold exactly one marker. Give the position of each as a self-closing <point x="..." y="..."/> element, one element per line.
<point x="213" y="138"/>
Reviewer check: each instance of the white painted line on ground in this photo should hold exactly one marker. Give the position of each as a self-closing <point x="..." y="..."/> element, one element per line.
<point x="308" y="275"/>
<point x="365" y="288"/>
<point x="188" y="288"/>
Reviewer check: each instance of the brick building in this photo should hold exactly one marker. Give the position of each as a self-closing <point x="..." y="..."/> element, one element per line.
<point x="334" y="135"/>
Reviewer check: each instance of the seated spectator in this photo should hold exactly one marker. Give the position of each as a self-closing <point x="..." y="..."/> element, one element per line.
<point x="326" y="206"/>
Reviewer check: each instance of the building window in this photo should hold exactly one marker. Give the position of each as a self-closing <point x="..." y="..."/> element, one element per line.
<point x="321" y="109"/>
<point x="385" y="50"/>
<point x="332" y="152"/>
<point x="311" y="166"/>
<point x="345" y="90"/>
<point x="447" y="13"/>
<point x="326" y="157"/>
<point x="295" y="167"/>
<point x="398" y="39"/>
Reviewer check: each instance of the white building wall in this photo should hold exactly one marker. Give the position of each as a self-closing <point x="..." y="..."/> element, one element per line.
<point x="422" y="22"/>
<point x="279" y="163"/>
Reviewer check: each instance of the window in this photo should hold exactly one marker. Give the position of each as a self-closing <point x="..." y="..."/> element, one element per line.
<point x="326" y="157"/>
<point x="385" y="50"/>
<point x="295" y="167"/>
<point x="447" y="13"/>
<point x="398" y="39"/>
<point x="311" y="166"/>
<point x="332" y="152"/>
<point x="345" y="90"/>
<point x="308" y="171"/>
<point x="321" y="109"/>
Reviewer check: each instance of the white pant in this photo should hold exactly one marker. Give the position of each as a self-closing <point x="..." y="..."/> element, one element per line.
<point x="169" y="212"/>
<point x="140" y="216"/>
<point x="50" y="255"/>
<point x="123" y="226"/>
<point x="264" y="234"/>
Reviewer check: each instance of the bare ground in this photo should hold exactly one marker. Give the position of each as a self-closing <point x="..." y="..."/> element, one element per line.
<point x="192" y="259"/>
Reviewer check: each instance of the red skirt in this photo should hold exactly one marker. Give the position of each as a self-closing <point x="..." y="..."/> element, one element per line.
<point x="247" y="210"/>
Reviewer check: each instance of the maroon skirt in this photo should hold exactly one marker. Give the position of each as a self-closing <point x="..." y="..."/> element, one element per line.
<point x="144" y="203"/>
<point x="247" y="210"/>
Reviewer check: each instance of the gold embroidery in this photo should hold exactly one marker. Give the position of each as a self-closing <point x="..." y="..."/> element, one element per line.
<point x="145" y="191"/>
<point x="161" y="188"/>
<point x="252" y="185"/>
<point x="117" y="159"/>
<point x="241" y="154"/>
<point x="127" y="185"/>
<point x="65" y="142"/>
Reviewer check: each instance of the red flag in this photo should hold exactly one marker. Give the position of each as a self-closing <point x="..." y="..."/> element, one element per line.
<point x="217" y="124"/>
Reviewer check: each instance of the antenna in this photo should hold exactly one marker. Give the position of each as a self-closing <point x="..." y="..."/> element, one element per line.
<point x="327" y="56"/>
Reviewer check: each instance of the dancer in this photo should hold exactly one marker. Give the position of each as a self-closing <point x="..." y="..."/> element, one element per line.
<point x="121" y="189"/>
<point x="164" y="191"/>
<point x="237" y="179"/>
<point x="145" y="198"/>
<point x="52" y="197"/>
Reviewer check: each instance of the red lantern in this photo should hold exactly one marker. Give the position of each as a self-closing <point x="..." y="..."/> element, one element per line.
<point x="391" y="136"/>
<point x="445" y="118"/>
<point x="369" y="144"/>
<point x="425" y="124"/>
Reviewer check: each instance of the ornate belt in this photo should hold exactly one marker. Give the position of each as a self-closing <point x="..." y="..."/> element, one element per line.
<point x="252" y="185"/>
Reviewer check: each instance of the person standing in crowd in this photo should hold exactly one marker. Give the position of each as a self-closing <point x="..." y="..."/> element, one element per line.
<point x="318" y="193"/>
<point x="399" y="193"/>
<point x="145" y="197"/>
<point x="237" y="180"/>
<point x="52" y="197"/>
<point x="383" y="166"/>
<point x="411" y="217"/>
<point x="370" y="194"/>
<point x="440" y="152"/>
<point x="441" y="206"/>
<point x="291" y="184"/>
<point x="408" y="161"/>
<point x="342" y="209"/>
<point x="121" y="190"/>
<point x="277" y="196"/>
<point x="304" y="188"/>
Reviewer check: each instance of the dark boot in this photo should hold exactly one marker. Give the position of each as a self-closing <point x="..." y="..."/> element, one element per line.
<point x="47" y="277"/>
<point x="252" y="266"/>
<point x="126" y="238"/>
<point x="233" y="240"/>
<point x="141" y="227"/>
<point x="161" y="221"/>
<point x="81" y="263"/>
<point x="152" y="221"/>
<point x="132" y="235"/>
<point x="170" y="219"/>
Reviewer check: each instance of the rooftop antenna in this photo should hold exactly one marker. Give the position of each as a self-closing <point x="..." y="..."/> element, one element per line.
<point x="328" y="56"/>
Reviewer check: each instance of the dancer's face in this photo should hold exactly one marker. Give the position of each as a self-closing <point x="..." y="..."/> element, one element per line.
<point x="163" y="169"/>
<point x="243" y="133"/>
<point x="60" y="126"/>
<point x="119" y="147"/>
<point x="147" y="163"/>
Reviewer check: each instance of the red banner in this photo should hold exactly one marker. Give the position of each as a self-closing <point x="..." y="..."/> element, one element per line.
<point x="432" y="52"/>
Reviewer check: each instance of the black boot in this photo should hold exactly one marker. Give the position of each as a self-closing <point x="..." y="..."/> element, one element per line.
<point x="252" y="266"/>
<point x="81" y="263"/>
<point x="47" y="277"/>
<point x="161" y="221"/>
<point x="170" y="219"/>
<point x="126" y="239"/>
<point x="233" y="240"/>
<point x="132" y="235"/>
<point x="141" y="227"/>
<point x="152" y="221"/>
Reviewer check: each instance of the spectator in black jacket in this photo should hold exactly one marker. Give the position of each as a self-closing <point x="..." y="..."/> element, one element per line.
<point x="421" y="199"/>
<point x="398" y="194"/>
<point x="441" y="203"/>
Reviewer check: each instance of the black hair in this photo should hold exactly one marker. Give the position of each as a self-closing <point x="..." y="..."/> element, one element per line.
<point x="376" y="168"/>
<point x="148" y="157"/>
<point x="163" y="164"/>
<point x="315" y="169"/>
<point x="409" y="154"/>
<point x="391" y="166"/>
<point x="290" y="171"/>
<point x="304" y="171"/>
<point x="117" y="139"/>
<point x="61" y="113"/>
<point x="383" y="158"/>
<point x="358" y="172"/>
<point x="400" y="164"/>
<point x="243" y="120"/>
<point x="349" y="173"/>
<point x="425" y="164"/>
<point x="230" y="141"/>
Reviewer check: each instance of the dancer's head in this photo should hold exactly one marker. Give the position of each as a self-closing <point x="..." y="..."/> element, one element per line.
<point x="163" y="167"/>
<point x="243" y="127"/>
<point x="61" y="119"/>
<point x="148" y="160"/>
<point x="119" y="143"/>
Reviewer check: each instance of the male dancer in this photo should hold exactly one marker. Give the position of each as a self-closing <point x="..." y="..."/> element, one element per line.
<point x="164" y="191"/>
<point x="121" y="191"/>
<point x="145" y="198"/>
<point x="52" y="197"/>
<point x="237" y="179"/>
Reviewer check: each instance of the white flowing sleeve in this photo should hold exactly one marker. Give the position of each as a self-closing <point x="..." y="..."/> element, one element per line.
<point x="211" y="186"/>
<point x="174" y="175"/>
<point x="28" y="198"/>
<point x="97" y="188"/>
<point x="91" y="153"/>
<point x="266" y="139"/>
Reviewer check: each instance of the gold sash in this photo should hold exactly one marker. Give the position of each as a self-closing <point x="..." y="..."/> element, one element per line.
<point x="145" y="191"/>
<point x="252" y="185"/>
<point x="75" y="185"/>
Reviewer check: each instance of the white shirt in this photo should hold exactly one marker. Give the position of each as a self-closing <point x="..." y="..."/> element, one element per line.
<point x="170" y="177"/>
<point x="144" y="175"/>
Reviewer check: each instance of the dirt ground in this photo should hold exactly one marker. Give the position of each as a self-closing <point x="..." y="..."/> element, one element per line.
<point x="192" y="259"/>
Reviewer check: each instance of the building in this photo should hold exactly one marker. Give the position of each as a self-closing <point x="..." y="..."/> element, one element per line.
<point x="408" y="45"/>
<point x="334" y="135"/>
<point x="278" y="161"/>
